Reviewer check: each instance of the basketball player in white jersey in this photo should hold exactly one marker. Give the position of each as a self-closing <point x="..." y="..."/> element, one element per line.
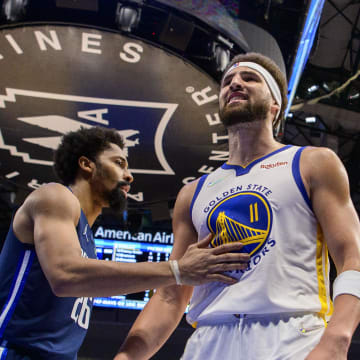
<point x="288" y="206"/>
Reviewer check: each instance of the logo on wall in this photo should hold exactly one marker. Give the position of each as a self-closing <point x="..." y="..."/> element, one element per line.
<point x="56" y="79"/>
<point x="106" y="116"/>
<point x="244" y="217"/>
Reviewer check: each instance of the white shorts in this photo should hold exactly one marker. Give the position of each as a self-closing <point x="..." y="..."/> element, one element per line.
<point x="255" y="337"/>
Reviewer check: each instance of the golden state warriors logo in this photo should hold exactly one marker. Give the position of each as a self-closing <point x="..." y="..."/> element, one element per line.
<point x="244" y="217"/>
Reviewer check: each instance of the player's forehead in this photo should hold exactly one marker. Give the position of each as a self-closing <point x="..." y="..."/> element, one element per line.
<point x="113" y="151"/>
<point x="242" y="70"/>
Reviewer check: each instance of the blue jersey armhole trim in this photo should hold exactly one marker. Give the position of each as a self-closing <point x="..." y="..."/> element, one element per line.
<point x="297" y="176"/>
<point x="13" y="297"/>
<point x="197" y="190"/>
<point x="3" y="352"/>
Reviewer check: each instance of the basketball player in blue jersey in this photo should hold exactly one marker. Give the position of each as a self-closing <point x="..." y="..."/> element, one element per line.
<point x="48" y="271"/>
<point x="288" y="206"/>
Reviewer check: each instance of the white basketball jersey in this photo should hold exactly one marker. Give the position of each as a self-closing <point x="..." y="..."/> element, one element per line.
<point x="265" y="206"/>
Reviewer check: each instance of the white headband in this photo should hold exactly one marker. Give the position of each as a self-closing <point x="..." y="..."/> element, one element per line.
<point x="270" y="81"/>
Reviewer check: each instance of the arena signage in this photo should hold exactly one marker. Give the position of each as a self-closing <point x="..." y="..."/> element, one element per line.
<point x="160" y="237"/>
<point x="58" y="78"/>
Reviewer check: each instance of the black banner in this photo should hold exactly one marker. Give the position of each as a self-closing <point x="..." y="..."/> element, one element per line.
<point x="56" y="78"/>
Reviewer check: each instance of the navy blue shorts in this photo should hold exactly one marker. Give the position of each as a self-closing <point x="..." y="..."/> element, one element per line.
<point x="16" y="354"/>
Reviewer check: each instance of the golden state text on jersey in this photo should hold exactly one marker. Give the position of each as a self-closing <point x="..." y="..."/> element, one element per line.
<point x="244" y="217"/>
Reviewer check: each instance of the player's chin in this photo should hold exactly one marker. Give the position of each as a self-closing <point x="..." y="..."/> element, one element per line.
<point x="118" y="200"/>
<point x="235" y="115"/>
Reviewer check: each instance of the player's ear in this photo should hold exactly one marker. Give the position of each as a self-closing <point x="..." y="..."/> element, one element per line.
<point x="86" y="165"/>
<point x="274" y="108"/>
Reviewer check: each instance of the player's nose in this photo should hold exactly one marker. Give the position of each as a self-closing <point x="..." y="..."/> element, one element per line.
<point x="236" y="83"/>
<point x="128" y="176"/>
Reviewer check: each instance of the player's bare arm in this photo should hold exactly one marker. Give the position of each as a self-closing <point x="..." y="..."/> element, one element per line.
<point x="167" y="306"/>
<point x="168" y="303"/>
<point x="327" y="183"/>
<point x="53" y="212"/>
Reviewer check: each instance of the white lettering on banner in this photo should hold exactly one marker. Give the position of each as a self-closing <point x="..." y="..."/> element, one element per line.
<point x="12" y="174"/>
<point x="219" y="155"/>
<point x="130" y="49"/>
<point x="94" y="115"/>
<point x="211" y="121"/>
<point x="14" y="44"/>
<point x="86" y="43"/>
<point x="216" y="137"/>
<point x="90" y="43"/>
<point x="201" y="97"/>
<point x="34" y="184"/>
<point x="188" y="180"/>
<point x="137" y="197"/>
<point x="42" y="39"/>
<point x="206" y="169"/>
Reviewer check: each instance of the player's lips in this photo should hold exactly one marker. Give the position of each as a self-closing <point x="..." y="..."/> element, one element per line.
<point x="125" y="189"/>
<point x="237" y="96"/>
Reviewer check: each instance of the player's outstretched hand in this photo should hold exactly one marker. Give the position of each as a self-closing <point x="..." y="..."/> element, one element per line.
<point x="202" y="264"/>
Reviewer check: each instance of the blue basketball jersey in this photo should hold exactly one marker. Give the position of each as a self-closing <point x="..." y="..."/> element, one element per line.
<point x="32" y="318"/>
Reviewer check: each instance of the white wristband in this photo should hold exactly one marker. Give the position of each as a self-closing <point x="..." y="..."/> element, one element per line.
<point x="174" y="266"/>
<point x="348" y="282"/>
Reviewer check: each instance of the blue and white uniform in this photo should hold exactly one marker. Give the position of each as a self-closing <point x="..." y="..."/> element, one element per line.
<point x="34" y="323"/>
<point x="265" y="206"/>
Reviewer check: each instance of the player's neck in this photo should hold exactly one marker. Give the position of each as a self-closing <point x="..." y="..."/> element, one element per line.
<point x="250" y="141"/>
<point x="91" y="208"/>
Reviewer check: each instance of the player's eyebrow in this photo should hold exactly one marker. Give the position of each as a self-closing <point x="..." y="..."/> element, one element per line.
<point x="243" y="72"/>
<point x="251" y="73"/>
<point x="227" y="77"/>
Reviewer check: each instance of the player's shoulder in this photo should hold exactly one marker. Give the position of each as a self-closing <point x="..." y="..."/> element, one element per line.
<point x="52" y="192"/>
<point x="319" y="154"/>
<point x="52" y="196"/>
<point x="320" y="158"/>
<point x="188" y="190"/>
<point x="186" y="193"/>
<point x="321" y="164"/>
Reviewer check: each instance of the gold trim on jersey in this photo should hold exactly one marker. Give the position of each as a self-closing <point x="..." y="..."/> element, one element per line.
<point x="322" y="269"/>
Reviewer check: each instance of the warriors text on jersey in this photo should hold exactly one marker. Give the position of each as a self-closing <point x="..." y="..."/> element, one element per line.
<point x="33" y="320"/>
<point x="265" y="206"/>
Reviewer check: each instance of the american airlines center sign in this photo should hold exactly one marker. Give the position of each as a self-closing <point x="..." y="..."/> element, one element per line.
<point x="55" y="79"/>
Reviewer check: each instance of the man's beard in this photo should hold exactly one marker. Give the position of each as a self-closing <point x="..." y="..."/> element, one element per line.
<point x="243" y="113"/>
<point x="117" y="199"/>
